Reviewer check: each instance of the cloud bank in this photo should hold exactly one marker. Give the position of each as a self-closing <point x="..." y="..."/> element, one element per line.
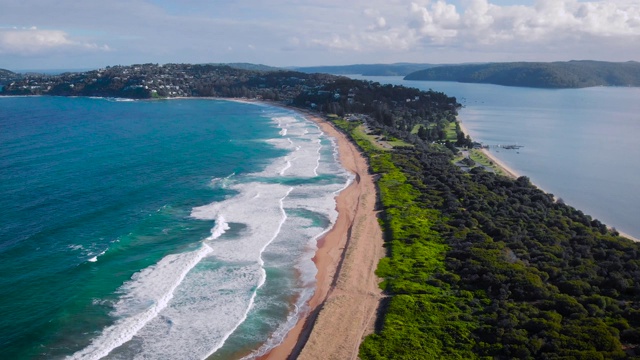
<point x="481" y="24"/>
<point x="312" y="32"/>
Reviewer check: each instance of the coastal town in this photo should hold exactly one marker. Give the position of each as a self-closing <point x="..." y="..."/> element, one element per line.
<point x="396" y="109"/>
<point x="156" y="80"/>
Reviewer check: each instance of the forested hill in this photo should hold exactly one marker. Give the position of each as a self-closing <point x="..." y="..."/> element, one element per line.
<point x="399" y="69"/>
<point x="249" y="66"/>
<point x="572" y="74"/>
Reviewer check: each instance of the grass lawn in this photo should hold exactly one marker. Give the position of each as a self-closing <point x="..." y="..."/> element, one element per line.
<point x="451" y="132"/>
<point x="359" y="131"/>
<point x="479" y="157"/>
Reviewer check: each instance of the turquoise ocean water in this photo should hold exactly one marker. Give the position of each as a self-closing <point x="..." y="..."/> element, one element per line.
<point x="581" y="145"/>
<point x="179" y="229"/>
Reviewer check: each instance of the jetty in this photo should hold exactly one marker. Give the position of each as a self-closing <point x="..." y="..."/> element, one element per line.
<point x="501" y="146"/>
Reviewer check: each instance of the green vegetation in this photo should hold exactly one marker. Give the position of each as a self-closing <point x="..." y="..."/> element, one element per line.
<point x="484" y="267"/>
<point x="251" y="67"/>
<point x="452" y="131"/>
<point x="394" y="142"/>
<point x="479" y="265"/>
<point x="412" y="272"/>
<point x="359" y="133"/>
<point x="480" y="158"/>
<point x="401" y="69"/>
<point x="572" y="74"/>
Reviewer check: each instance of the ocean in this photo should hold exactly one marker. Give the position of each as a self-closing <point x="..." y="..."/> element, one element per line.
<point x="177" y="229"/>
<point x="579" y="144"/>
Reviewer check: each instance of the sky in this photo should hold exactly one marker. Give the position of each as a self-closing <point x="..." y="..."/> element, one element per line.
<point x="86" y="34"/>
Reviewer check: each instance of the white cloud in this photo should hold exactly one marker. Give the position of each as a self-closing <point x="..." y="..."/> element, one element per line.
<point x="33" y="41"/>
<point x="303" y="32"/>
<point x="438" y="21"/>
<point x="484" y="22"/>
<point x="479" y="25"/>
<point x="337" y="42"/>
<point x="379" y="22"/>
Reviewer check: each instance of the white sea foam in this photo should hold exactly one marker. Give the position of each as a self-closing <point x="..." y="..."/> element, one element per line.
<point x="315" y="170"/>
<point x="215" y="298"/>
<point x="287" y="167"/>
<point x="222" y="182"/>
<point x="257" y="206"/>
<point x="188" y="305"/>
<point x="304" y="140"/>
<point x="95" y="258"/>
<point x="145" y="295"/>
<point x="220" y="228"/>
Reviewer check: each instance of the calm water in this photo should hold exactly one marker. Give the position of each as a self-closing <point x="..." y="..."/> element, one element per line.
<point x="580" y="144"/>
<point x="161" y="229"/>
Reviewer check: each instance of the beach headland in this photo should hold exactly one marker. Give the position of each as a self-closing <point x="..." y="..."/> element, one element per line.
<point x="343" y="308"/>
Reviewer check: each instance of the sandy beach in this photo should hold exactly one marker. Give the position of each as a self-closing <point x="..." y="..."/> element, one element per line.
<point x="504" y="167"/>
<point x="343" y="308"/>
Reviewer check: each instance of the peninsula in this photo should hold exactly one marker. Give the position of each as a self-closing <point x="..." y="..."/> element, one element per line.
<point x="478" y="265"/>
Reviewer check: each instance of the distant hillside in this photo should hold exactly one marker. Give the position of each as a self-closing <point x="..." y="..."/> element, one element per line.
<point x="572" y="74"/>
<point x="251" y="67"/>
<point x="399" y="69"/>
<point x="6" y="76"/>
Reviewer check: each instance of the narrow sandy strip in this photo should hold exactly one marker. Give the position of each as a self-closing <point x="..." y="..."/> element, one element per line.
<point x="344" y="306"/>
<point x="499" y="163"/>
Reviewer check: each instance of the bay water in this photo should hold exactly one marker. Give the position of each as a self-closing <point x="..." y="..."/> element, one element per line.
<point x="178" y="229"/>
<point x="581" y="145"/>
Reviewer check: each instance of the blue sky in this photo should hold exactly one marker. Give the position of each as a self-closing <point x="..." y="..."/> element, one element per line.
<point x="90" y="33"/>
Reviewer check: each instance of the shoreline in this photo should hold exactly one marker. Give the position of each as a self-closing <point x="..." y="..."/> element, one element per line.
<point x="498" y="163"/>
<point x="514" y="174"/>
<point x="347" y="291"/>
<point x="504" y="167"/>
<point x="343" y="309"/>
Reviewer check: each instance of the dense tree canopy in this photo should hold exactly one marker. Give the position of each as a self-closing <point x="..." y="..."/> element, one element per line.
<point x="482" y="266"/>
<point x="572" y="74"/>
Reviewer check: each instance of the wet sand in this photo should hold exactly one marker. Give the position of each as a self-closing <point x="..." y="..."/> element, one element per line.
<point x="344" y="306"/>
